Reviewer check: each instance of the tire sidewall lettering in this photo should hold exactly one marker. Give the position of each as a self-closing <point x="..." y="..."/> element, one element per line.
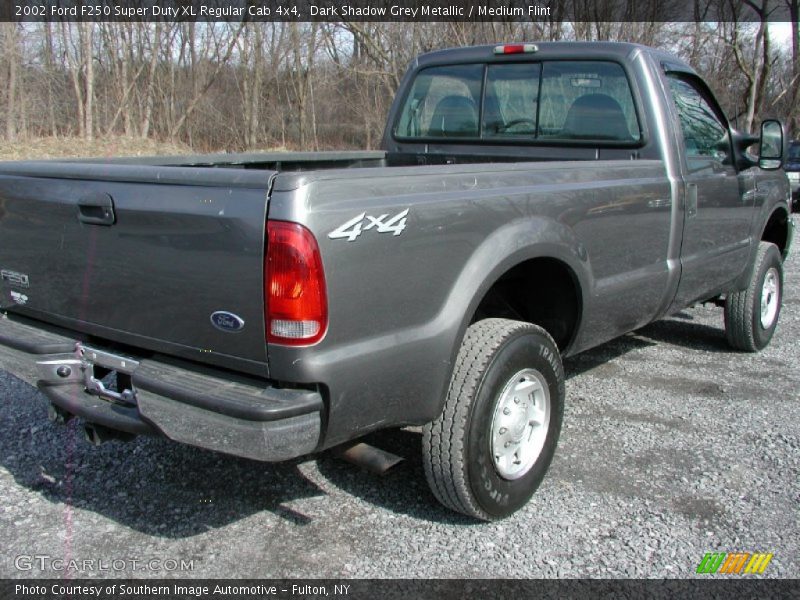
<point x="494" y="494"/>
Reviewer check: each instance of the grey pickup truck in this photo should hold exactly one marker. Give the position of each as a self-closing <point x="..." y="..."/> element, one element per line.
<point x="530" y="201"/>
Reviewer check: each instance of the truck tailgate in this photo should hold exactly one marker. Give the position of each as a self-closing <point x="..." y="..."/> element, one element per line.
<point x="140" y="255"/>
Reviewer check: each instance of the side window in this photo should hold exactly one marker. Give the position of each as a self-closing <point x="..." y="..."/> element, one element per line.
<point x="511" y="98"/>
<point x="705" y="136"/>
<point x="443" y="102"/>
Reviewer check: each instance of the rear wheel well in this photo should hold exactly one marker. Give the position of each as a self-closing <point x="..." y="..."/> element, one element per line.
<point x="777" y="230"/>
<point x="542" y="291"/>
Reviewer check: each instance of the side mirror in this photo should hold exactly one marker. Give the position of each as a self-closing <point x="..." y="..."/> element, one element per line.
<point x="770" y="155"/>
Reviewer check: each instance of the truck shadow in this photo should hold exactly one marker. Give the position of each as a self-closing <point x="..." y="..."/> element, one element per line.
<point x="168" y="490"/>
<point x="151" y="485"/>
<point x="681" y="330"/>
<point x="404" y="490"/>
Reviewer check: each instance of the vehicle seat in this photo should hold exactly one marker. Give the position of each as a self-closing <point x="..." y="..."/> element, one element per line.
<point x="596" y="117"/>
<point x="492" y="117"/>
<point x="454" y="116"/>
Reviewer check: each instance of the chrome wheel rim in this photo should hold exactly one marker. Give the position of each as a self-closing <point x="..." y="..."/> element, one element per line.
<point x="520" y="423"/>
<point x="770" y="296"/>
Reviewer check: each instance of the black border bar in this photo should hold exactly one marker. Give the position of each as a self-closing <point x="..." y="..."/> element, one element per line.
<point x="393" y="10"/>
<point x="734" y="588"/>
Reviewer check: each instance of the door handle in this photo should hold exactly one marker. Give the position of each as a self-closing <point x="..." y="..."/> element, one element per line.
<point x="691" y="200"/>
<point x="96" y="209"/>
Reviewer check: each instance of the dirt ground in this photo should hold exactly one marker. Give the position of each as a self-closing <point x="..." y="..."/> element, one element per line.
<point x="72" y="147"/>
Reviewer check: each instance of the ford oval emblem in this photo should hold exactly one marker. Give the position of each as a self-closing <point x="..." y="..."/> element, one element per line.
<point x="225" y="321"/>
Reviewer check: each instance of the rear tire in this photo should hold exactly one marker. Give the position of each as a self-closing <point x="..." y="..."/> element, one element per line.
<point x="751" y="315"/>
<point x="490" y="448"/>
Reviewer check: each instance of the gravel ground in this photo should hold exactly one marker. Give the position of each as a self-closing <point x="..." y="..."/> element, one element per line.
<point x="673" y="446"/>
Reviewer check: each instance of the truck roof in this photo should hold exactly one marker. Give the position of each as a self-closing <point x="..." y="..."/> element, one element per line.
<point x="558" y="50"/>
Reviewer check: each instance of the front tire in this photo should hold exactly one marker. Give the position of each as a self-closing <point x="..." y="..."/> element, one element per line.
<point x="751" y="315"/>
<point x="490" y="448"/>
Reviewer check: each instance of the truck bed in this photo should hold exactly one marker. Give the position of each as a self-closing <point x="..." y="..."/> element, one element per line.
<point x="180" y="227"/>
<point x="140" y="168"/>
<point x="192" y="169"/>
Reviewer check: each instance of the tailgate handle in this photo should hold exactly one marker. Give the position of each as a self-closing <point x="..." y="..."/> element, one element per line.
<point x="96" y="209"/>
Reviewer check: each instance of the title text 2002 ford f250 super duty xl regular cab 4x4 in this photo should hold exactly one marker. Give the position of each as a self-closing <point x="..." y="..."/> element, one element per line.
<point x="531" y="201"/>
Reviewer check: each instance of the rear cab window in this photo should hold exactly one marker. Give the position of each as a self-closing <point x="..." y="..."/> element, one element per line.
<point x="443" y="102"/>
<point x="550" y="101"/>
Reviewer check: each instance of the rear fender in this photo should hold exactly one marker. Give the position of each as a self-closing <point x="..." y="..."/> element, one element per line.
<point x="509" y="246"/>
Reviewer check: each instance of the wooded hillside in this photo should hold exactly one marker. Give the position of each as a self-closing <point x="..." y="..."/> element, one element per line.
<point x="234" y="86"/>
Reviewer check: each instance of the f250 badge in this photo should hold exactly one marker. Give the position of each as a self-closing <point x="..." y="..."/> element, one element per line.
<point x="356" y="226"/>
<point x="15" y="278"/>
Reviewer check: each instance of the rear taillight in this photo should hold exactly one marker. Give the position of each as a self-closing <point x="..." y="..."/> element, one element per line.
<point x="296" y="305"/>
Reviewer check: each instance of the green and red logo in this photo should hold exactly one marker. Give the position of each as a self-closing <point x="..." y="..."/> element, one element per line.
<point x="734" y="563"/>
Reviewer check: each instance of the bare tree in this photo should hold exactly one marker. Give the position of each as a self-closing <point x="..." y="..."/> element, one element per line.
<point x="154" y="48"/>
<point x="794" y="85"/>
<point x="87" y="30"/>
<point x="11" y="60"/>
<point x="221" y="48"/>
<point x="303" y="41"/>
<point x="81" y="69"/>
<point x="753" y="57"/>
<point x="49" y="65"/>
<point x="329" y="85"/>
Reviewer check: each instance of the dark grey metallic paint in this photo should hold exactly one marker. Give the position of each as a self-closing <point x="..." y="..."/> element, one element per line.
<point x="614" y="216"/>
<point x="156" y="275"/>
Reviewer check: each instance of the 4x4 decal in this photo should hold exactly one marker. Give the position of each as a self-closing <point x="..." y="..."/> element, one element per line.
<point x="355" y="226"/>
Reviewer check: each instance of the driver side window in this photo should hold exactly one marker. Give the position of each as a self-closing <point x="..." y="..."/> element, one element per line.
<point x="705" y="135"/>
